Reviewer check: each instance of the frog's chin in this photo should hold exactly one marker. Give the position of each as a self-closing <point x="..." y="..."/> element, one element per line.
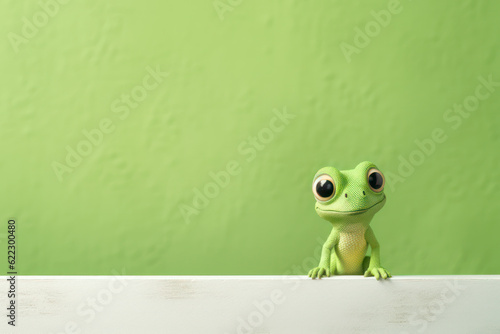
<point x="335" y="214"/>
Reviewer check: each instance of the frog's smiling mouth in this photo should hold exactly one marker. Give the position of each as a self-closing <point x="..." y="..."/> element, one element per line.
<point x="355" y="212"/>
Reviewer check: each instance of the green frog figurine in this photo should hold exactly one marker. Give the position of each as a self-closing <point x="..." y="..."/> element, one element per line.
<point x="348" y="200"/>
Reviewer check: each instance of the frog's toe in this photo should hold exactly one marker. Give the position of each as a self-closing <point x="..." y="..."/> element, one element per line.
<point x="388" y="274"/>
<point x="323" y="272"/>
<point x="383" y="273"/>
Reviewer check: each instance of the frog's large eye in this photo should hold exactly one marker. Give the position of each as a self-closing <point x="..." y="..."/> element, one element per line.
<point x="323" y="187"/>
<point x="376" y="180"/>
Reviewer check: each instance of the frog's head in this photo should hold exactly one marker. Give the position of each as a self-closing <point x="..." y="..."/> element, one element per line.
<point x="340" y="195"/>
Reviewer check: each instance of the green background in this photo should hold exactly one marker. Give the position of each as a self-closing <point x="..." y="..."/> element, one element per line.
<point x="120" y="208"/>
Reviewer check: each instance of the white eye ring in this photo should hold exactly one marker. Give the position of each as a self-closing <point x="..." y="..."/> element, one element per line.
<point x="324" y="188"/>
<point x="376" y="180"/>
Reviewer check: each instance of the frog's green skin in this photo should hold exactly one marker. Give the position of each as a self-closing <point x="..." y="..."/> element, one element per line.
<point x="345" y="249"/>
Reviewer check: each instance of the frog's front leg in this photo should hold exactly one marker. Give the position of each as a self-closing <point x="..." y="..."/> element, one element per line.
<point x="374" y="268"/>
<point x="324" y="268"/>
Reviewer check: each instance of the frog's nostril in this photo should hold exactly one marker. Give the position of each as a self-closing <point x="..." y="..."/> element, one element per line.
<point x="364" y="193"/>
<point x="345" y="195"/>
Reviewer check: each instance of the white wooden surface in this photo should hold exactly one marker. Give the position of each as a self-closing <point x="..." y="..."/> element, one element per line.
<point x="254" y="304"/>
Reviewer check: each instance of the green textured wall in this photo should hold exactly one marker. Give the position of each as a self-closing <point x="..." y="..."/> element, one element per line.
<point x="419" y="78"/>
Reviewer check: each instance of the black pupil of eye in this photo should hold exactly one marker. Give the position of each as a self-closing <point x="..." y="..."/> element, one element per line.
<point x="375" y="180"/>
<point x="324" y="188"/>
